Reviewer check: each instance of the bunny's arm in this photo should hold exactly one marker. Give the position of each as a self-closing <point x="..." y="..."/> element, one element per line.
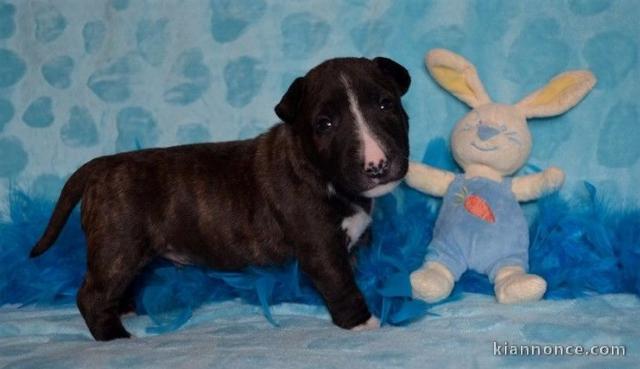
<point x="534" y="186"/>
<point x="429" y="180"/>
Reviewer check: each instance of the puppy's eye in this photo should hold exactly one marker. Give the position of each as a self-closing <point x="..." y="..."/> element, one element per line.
<point x="385" y="104"/>
<point x="323" y="124"/>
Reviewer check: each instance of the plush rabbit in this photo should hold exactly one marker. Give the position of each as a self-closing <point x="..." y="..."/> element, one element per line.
<point x="481" y="225"/>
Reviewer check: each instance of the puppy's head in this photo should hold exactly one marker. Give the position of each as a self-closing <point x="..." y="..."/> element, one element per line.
<point x="349" y="117"/>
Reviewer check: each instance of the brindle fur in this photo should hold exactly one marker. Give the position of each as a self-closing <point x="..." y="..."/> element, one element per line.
<point x="262" y="201"/>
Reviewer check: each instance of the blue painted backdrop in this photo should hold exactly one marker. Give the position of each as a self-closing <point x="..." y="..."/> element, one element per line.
<point x="79" y="79"/>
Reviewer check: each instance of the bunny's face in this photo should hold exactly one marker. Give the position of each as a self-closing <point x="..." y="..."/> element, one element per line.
<point x="496" y="135"/>
<point x="493" y="135"/>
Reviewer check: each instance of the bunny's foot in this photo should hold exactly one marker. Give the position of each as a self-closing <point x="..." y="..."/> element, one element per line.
<point x="513" y="285"/>
<point x="432" y="282"/>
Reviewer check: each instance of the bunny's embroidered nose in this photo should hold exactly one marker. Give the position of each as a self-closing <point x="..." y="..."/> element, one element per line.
<point x="486" y="132"/>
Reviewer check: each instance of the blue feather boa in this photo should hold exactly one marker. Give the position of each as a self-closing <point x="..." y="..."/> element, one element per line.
<point x="580" y="248"/>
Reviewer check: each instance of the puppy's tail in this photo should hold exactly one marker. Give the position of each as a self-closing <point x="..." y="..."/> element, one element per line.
<point x="70" y="196"/>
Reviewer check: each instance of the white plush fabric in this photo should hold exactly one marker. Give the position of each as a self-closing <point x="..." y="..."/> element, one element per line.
<point x="492" y="141"/>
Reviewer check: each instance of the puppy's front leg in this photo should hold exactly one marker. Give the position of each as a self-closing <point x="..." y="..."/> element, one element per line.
<point x="328" y="267"/>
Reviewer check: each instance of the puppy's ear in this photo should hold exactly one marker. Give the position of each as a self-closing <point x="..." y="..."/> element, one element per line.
<point x="288" y="107"/>
<point x="396" y="72"/>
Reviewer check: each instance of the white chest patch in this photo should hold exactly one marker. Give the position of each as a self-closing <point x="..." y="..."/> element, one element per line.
<point x="355" y="225"/>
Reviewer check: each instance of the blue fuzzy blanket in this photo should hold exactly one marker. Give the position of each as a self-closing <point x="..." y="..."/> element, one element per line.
<point x="235" y="335"/>
<point x="581" y="250"/>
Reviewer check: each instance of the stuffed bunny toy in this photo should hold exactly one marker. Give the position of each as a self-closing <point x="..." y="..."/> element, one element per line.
<point x="481" y="225"/>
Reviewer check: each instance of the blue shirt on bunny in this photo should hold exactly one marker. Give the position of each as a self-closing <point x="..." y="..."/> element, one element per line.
<point x="480" y="227"/>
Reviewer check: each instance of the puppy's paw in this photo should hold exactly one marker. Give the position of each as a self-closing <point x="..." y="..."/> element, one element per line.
<point x="371" y="324"/>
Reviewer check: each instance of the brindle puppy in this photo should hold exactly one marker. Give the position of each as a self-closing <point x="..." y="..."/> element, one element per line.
<point x="300" y="191"/>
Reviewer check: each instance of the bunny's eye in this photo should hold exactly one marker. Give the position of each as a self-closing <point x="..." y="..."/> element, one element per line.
<point x="514" y="137"/>
<point x="468" y="127"/>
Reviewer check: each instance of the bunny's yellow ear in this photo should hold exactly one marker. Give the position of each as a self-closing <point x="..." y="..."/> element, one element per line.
<point x="559" y="95"/>
<point x="458" y="76"/>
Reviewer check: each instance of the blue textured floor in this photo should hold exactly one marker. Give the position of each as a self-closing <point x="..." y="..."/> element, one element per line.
<point x="235" y="335"/>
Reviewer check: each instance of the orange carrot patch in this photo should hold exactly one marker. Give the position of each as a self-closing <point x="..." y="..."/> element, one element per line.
<point x="478" y="207"/>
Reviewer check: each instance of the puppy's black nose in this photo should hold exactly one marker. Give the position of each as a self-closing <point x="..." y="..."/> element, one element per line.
<point x="377" y="170"/>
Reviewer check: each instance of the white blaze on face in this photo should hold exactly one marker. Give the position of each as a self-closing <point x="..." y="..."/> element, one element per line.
<point x="372" y="151"/>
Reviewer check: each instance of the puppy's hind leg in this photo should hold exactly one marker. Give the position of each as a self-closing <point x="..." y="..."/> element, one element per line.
<point x="108" y="278"/>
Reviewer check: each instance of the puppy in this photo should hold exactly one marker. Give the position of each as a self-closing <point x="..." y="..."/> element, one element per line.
<point x="303" y="190"/>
